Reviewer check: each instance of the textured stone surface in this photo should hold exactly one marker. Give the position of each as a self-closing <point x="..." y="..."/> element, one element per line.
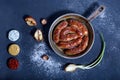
<point x="11" y="17"/>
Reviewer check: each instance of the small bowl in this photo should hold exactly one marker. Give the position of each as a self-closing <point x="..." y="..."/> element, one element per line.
<point x="85" y="22"/>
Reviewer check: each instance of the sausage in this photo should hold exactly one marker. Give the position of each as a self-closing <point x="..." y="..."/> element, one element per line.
<point x="85" y="31"/>
<point x="75" y="23"/>
<point x="78" y="31"/>
<point x="67" y="30"/>
<point x="69" y="44"/>
<point x="71" y="36"/>
<point x="78" y="25"/>
<point x="68" y="37"/>
<point x="58" y="29"/>
<point x="68" y="33"/>
<point x="78" y="49"/>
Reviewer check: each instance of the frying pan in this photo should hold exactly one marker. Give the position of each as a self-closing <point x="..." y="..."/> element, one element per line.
<point x="85" y="21"/>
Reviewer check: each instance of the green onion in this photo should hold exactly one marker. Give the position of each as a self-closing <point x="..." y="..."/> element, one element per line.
<point x="73" y="67"/>
<point x="100" y="57"/>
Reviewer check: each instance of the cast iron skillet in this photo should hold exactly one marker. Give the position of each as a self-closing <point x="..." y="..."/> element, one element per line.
<point x="85" y="21"/>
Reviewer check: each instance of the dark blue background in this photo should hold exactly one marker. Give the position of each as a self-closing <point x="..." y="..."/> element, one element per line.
<point x="11" y="17"/>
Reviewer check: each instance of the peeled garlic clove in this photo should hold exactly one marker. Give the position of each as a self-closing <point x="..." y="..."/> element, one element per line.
<point x="30" y="21"/>
<point x="70" y="68"/>
<point x="38" y="35"/>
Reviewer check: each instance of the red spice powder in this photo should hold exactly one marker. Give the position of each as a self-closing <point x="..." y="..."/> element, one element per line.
<point x="13" y="63"/>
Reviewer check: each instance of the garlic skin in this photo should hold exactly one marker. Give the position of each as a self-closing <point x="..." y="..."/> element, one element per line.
<point x="70" y="68"/>
<point x="30" y="21"/>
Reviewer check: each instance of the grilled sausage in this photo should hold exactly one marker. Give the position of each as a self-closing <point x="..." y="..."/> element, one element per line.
<point x="69" y="44"/>
<point x="78" y="25"/>
<point x="78" y="49"/>
<point x="68" y="33"/>
<point x="58" y="29"/>
<point x="71" y="36"/>
<point x="68" y="37"/>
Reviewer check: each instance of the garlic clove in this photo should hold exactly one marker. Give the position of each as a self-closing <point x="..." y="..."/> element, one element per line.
<point x="38" y="35"/>
<point x="70" y="68"/>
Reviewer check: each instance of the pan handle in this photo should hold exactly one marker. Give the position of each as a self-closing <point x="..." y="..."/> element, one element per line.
<point x="97" y="12"/>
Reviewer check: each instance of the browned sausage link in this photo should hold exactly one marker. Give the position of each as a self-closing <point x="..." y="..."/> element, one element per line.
<point x="58" y="29"/>
<point x="78" y="31"/>
<point x="84" y="44"/>
<point x="67" y="30"/>
<point x="69" y="44"/>
<point x="80" y="48"/>
<point x="68" y="37"/>
<point x="78" y="25"/>
<point x="67" y="34"/>
<point x="85" y="31"/>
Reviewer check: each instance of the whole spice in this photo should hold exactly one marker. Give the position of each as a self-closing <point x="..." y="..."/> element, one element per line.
<point x="13" y="63"/>
<point x="38" y="35"/>
<point x="45" y="57"/>
<point x="30" y="21"/>
<point x="43" y="21"/>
